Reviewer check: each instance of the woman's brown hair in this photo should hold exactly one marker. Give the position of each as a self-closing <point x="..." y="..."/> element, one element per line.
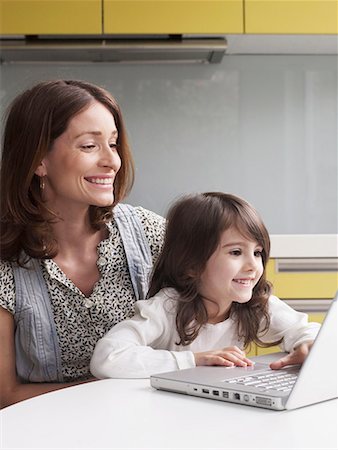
<point x="195" y="224"/>
<point x="34" y="120"/>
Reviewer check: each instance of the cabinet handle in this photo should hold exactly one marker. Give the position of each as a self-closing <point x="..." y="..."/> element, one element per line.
<point x="309" y="305"/>
<point x="306" y="265"/>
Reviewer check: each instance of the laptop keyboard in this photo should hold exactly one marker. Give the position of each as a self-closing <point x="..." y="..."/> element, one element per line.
<point x="279" y="380"/>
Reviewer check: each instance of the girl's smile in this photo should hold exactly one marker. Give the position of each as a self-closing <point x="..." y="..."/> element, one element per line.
<point x="246" y="282"/>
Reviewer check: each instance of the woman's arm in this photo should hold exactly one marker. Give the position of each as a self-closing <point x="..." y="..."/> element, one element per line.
<point x="140" y="346"/>
<point x="11" y="389"/>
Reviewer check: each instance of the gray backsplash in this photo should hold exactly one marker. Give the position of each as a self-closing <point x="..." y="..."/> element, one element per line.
<point x="260" y="126"/>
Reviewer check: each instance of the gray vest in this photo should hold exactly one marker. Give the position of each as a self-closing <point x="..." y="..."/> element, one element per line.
<point x="37" y="348"/>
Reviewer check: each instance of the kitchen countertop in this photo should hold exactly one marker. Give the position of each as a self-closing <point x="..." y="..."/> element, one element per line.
<point x="304" y="246"/>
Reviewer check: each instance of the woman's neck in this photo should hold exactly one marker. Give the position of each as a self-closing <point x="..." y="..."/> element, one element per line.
<point x="74" y="233"/>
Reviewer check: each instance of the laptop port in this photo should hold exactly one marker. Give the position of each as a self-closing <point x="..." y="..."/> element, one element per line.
<point x="263" y="401"/>
<point x="225" y="394"/>
<point x="237" y="396"/>
<point x="215" y="392"/>
<point x="205" y="391"/>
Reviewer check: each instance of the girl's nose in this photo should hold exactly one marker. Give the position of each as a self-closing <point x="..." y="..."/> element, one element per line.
<point x="251" y="263"/>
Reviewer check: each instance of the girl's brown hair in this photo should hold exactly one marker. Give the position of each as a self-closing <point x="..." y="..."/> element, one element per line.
<point x="194" y="227"/>
<point x="34" y="120"/>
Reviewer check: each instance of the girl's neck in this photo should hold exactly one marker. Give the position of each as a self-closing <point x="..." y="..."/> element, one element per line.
<point x="216" y="313"/>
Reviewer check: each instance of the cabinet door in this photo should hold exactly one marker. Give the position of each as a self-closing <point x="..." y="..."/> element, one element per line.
<point x="300" y="283"/>
<point x="50" y="17"/>
<point x="173" y="16"/>
<point x="291" y="16"/>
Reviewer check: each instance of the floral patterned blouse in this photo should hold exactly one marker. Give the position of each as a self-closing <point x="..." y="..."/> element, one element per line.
<point x="80" y="320"/>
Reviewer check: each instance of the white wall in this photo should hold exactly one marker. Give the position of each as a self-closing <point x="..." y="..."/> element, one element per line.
<point x="263" y="127"/>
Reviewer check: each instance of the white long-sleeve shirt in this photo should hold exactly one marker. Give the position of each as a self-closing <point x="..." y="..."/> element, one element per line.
<point x="147" y="343"/>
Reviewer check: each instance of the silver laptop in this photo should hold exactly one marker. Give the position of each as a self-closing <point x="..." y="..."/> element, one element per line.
<point x="288" y="388"/>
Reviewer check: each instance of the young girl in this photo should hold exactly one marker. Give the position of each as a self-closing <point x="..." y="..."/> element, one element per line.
<point x="209" y="298"/>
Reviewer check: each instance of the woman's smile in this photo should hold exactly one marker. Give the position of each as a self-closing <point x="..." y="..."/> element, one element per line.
<point x="101" y="181"/>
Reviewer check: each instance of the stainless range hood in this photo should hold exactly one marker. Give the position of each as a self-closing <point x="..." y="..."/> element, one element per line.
<point x="111" y="49"/>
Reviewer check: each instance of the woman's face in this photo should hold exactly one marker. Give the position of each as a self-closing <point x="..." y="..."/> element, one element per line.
<point x="81" y="167"/>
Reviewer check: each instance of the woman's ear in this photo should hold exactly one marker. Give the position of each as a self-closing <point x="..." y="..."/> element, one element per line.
<point x="41" y="170"/>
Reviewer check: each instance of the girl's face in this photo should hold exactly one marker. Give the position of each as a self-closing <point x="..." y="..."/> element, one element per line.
<point x="232" y="271"/>
<point x="81" y="167"/>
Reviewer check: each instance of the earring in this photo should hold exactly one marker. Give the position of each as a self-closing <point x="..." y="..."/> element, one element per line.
<point x="42" y="183"/>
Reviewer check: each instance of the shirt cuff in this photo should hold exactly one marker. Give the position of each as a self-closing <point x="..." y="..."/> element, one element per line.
<point x="184" y="360"/>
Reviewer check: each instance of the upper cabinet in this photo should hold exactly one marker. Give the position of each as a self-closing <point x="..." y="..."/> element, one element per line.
<point x="173" y="16"/>
<point x="27" y="17"/>
<point x="291" y="16"/>
<point x="50" y="16"/>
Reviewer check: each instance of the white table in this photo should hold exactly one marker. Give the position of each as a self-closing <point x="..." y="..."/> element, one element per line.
<point x="129" y="414"/>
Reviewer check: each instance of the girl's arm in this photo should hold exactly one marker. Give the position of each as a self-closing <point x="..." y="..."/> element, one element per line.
<point x="227" y="356"/>
<point x="294" y="328"/>
<point x="290" y="325"/>
<point x="11" y="390"/>
<point x="297" y="356"/>
<point x="140" y="346"/>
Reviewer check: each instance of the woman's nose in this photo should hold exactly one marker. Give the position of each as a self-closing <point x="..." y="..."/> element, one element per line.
<point x="109" y="157"/>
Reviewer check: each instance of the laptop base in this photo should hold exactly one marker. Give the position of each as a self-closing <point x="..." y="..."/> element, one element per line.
<point x="221" y="394"/>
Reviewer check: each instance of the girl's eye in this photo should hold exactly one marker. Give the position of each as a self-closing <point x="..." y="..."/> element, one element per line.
<point x="235" y="252"/>
<point x="258" y="253"/>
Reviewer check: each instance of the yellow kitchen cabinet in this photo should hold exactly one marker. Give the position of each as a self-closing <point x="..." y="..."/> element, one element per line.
<point x="30" y="17"/>
<point x="295" y="283"/>
<point x="172" y="16"/>
<point x="291" y="16"/>
<point x="50" y="17"/>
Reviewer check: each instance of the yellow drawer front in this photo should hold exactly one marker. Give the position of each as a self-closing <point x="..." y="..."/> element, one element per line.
<point x="268" y="350"/>
<point x="251" y="351"/>
<point x="302" y="285"/>
<point x="173" y="16"/>
<point x="291" y="16"/>
<point x="317" y="317"/>
<point x="50" y="17"/>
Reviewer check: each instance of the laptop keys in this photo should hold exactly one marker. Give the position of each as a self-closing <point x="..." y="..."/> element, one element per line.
<point x="266" y="381"/>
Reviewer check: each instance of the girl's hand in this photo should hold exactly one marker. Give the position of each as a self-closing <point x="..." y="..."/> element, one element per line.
<point x="228" y="356"/>
<point x="297" y="356"/>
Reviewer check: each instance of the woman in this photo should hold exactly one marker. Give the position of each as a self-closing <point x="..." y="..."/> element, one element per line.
<point x="73" y="259"/>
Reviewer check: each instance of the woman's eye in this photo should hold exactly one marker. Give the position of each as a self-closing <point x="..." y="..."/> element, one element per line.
<point x="258" y="253"/>
<point x="113" y="145"/>
<point x="235" y="252"/>
<point x="88" y="147"/>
